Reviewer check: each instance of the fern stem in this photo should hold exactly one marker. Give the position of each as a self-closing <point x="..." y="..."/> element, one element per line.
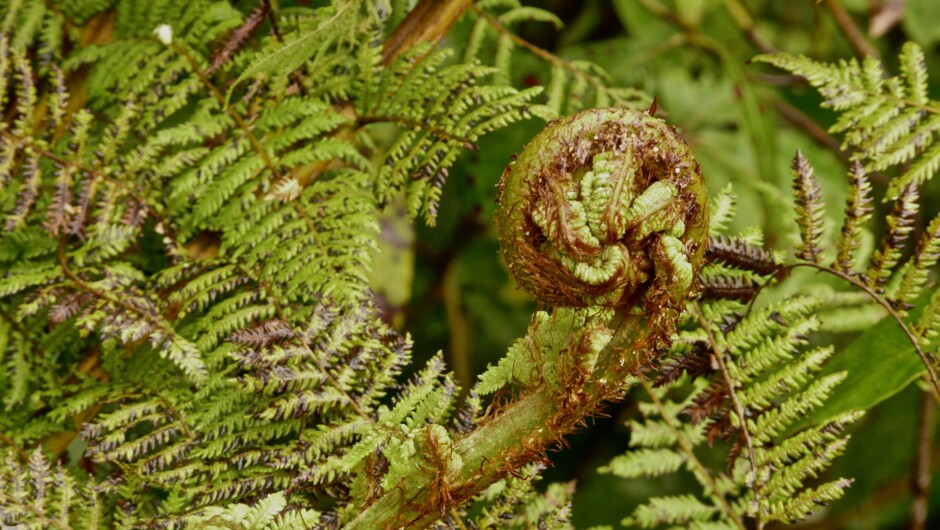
<point x="796" y="117"/>
<point x="920" y="479"/>
<point x="931" y="372"/>
<point x="742" y="17"/>
<point x="848" y="26"/>
<point x="689" y="451"/>
<point x="736" y="403"/>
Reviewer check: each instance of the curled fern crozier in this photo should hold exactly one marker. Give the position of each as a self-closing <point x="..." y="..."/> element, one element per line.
<point x="604" y="208"/>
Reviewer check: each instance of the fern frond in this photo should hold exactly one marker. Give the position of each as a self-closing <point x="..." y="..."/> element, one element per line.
<point x="38" y="494"/>
<point x="268" y="513"/>
<point x="917" y="269"/>
<point x="573" y="85"/>
<point x="683" y="510"/>
<point x="810" y="210"/>
<point x="857" y="212"/>
<point x="515" y="503"/>
<point x="928" y="325"/>
<point x="741" y="255"/>
<point x="767" y="376"/>
<point x="887" y="121"/>
<point x="900" y="223"/>
<point x="441" y="126"/>
<point x="722" y="210"/>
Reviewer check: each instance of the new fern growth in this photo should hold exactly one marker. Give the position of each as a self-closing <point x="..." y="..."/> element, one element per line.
<point x="188" y="337"/>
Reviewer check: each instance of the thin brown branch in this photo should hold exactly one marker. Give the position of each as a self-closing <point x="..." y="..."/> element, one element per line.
<point x="804" y="122"/>
<point x="920" y="478"/>
<point x="742" y="17"/>
<point x="272" y="17"/>
<point x="925" y="359"/>
<point x="851" y="30"/>
<point x="735" y="402"/>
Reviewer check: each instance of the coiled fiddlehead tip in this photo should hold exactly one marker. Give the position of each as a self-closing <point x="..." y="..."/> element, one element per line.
<point x="604" y="208"/>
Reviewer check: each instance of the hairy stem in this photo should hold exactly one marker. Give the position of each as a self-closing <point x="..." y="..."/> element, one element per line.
<point x="518" y="434"/>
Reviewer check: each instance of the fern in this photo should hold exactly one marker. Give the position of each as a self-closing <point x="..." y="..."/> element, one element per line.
<point x="572" y="85"/>
<point x="809" y="209"/>
<point x="887" y="121"/>
<point x="190" y="193"/>
<point x="242" y="363"/>
<point x="771" y="381"/>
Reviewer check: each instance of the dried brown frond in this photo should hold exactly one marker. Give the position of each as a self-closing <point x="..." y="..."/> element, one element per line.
<point x="809" y="209"/>
<point x="900" y="223"/>
<point x="238" y="37"/>
<point x="741" y="255"/>
<point x="728" y="287"/>
<point x="857" y="211"/>
<point x="266" y="333"/>
<point x="696" y="363"/>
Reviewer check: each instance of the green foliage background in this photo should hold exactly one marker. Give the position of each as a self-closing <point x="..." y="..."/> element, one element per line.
<point x="437" y="276"/>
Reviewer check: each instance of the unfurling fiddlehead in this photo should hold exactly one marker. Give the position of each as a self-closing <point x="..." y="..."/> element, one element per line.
<point x="603" y="217"/>
<point x="604" y="208"/>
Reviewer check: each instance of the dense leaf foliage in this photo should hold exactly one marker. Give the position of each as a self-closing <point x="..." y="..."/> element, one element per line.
<point x="207" y="206"/>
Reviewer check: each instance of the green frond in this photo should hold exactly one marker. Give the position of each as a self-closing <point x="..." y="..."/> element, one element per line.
<point x="268" y="513"/>
<point x="533" y="359"/>
<point x="776" y="384"/>
<point x="774" y="422"/>
<point x="441" y="115"/>
<point x="722" y="210"/>
<point x="644" y="463"/>
<point x="573" y="85"/>
<point x="927" y="328"/>
<point x="887" y="121"/>
<point x="682" y="510"/>
<point x="515" y="503"/>
<point x="807" y="502"/>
